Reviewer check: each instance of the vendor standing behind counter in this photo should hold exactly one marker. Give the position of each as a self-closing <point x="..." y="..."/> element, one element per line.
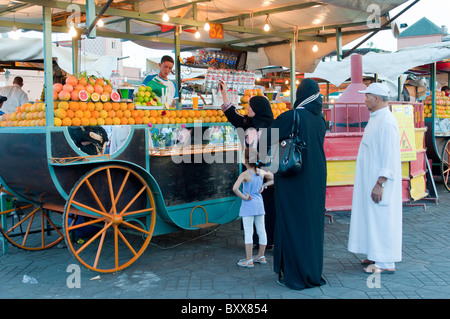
<point x="166" y="67"/>
<point x="14" y="94"/>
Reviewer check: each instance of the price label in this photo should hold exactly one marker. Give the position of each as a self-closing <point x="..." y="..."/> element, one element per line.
<point x="216" y="31"/>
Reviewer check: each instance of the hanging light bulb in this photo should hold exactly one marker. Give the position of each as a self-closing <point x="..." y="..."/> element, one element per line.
<point x="266" y="25"/>
<point x="165" y="17"/>
<point x="315" y="48"/>
<point x="197" y="34"/>
<point x="206" y="26"/>
<point x="100" y="23"/>
<point x="72" y="31"/>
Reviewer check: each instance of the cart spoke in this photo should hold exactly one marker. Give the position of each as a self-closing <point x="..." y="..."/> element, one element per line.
<point x="28" y="228"/>
<point x="95" y="196"/>
<point x="94" y="221"/>
<point x="145" y="210"/>
<point x="116" y="246"/>
<point x="99" y="249"/>
<point x="119" y="193"/>
<point x="136" y="228"/>
<point x="134" y="198"/>
<point x="13" y="209"/>
<point x="42" y="229"/>
<point x="51" y="223"/>
<point x="22" y="221"/>
<point x="93" y="238"/>
<point x="91" y="209"/>
<point x="111" y="192"/>
<point x="127" y="243"/>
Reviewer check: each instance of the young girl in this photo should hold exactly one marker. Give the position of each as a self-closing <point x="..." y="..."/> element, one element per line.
<point x="252" y="207"/>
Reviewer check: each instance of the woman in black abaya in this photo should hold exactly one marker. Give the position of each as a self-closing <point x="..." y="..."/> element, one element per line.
<point x="259" y="117"/>
<point x="300" y="199"/>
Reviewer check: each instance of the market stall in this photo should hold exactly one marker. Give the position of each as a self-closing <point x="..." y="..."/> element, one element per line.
<point x="420" y="60"/>
<point x="109" y="205"/>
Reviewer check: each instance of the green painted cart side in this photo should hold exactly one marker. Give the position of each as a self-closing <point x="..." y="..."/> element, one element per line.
<point x="110" y="205"/>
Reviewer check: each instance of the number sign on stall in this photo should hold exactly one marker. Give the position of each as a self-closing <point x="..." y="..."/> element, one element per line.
<point x="216" y="31"/>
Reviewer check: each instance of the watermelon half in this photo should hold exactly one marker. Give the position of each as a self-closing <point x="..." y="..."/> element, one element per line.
<point x="115" y="97"/>
<point x="83" y="95"/>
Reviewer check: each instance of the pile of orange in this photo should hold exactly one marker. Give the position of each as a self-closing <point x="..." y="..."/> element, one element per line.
<point x="76" y="113"/>
<point x="184" y="116"/>
<point x="442" y="106"/>
<point x="278" y="108"/>
<point x="25" y="115"/>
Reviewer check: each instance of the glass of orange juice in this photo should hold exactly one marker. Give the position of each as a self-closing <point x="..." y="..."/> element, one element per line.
<point x="195" y="102"/>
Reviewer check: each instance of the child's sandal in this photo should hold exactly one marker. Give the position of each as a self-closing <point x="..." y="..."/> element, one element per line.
<point x="245" y="263"/>
<point x="261" y="260"/>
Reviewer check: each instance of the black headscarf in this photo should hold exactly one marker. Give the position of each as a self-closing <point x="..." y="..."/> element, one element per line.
<point x="308" y="96"/>
<point x="263" y="112"/>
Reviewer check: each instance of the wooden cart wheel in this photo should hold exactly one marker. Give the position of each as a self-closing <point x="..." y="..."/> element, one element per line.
<point x="113" y="211"/>
<point x="30" y="227"/>
<point x="445" y="165"/>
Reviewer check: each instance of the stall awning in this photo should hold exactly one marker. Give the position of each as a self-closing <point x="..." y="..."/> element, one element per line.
<point x="305" y="21"/>
<point x="31" y="49"/>
<point x="387" y="65"/>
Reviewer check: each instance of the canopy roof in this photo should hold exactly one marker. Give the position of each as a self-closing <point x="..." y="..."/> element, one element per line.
<point x="386" y="65"/>
<point x="30" y="54"/>
<point x="305" y="22"/>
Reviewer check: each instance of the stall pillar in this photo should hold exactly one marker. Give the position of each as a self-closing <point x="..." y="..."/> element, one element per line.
<point x="178" y="66"/>
<point x="293" y="88"/>
<point x="433" y="103"/>
<point x="75" y="55"/>
<point x="48" y="66"/>
<point x="339" y="44"/>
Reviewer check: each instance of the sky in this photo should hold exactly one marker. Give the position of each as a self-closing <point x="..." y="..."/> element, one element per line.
<point x="437" y="11"/>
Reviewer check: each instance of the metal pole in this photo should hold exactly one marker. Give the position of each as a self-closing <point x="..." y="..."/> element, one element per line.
<point x="293" y="88"/>
<point x="178" y="66"/>
<point x="48" y="66"/>
<point x="339" y="44"/>
<point x="433" y="104"/>
<point x="75" y="55"/>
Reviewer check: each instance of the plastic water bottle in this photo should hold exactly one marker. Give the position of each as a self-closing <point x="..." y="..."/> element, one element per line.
<point x="116" y="79"/>
<point x="208" y="80"/>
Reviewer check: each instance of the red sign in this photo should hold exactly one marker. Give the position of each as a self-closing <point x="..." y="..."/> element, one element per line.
<point x="216" y="31"/>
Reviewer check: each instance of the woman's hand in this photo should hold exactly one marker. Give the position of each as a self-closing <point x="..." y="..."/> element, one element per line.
<point x="248" y="197"/>
<point x="224" y="91"/>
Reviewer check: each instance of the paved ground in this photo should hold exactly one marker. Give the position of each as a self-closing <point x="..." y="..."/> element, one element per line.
<point x="202" y="265"/>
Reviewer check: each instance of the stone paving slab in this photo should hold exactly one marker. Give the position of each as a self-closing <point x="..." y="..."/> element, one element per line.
<point x="202" y="265"/>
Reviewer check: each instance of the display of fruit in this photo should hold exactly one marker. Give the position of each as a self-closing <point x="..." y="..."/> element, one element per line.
<point x="145" y="97"/>
<point x="85" y="88"/>
<point x="80" y="113"/>
<point x="442" y="106"/>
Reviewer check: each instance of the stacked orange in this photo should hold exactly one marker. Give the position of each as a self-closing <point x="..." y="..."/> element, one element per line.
<point x="25" y="115"/>
<point x="77" y="113"/>
<point x="442" y="106"/>
<point x="184" y="116"/>
<point x="278" y="108"/>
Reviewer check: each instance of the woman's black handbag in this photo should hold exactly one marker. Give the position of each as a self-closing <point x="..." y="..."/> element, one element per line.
<point x="285" y="157"/>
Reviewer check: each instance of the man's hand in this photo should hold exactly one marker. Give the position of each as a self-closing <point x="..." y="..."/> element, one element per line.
<point x="377" y="193"/>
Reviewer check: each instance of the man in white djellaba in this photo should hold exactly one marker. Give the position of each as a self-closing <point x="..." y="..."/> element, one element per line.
<point x="376" y="216"/>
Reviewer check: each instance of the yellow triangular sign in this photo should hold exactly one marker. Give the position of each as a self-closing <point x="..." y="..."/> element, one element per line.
<point x="405" y="146"/>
